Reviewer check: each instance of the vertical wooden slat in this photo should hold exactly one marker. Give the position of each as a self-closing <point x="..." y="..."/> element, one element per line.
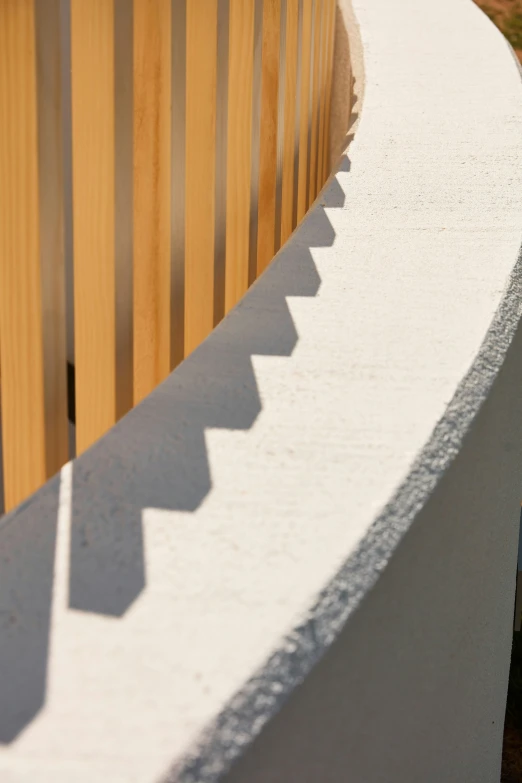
<point x="281" y="121"/>
<point x="65" y="55"/>
<point x="240" y="86"/>
<point x="51" y="214"/>
<point x="306" y="50"/>
<point x="220" y="220"/>
<point x="268" y="142"/>
<point x="322" y="173"/>
<point x="291" y="97"/>
<point x="21" y="343"/>
<point x="256" y="141"/>
<point x="200" y="169"/>
<point x="316" y="46"/>
<point x="329" y="76"/>
<point x="92" y="59"/>
<point x="123" y="200"/>
<point x="177" y="218"/>
<point x="152" y="192"/>
<point x="297" y="124"/>
<point x="322" y="93"/>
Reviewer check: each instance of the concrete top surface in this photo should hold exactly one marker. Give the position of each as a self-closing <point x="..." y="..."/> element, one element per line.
<point x="163" y="595"/>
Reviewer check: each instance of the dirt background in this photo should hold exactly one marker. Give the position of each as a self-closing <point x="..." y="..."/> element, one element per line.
<point x="507" y="15"/>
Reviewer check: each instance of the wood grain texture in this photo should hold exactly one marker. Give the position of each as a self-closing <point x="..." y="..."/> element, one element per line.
<point x="302" y="196"/>
<point x="292" y="30"/>
<point x="21" y="344"/>
<point x="325" y="108"/>
<point x="268" y="140"/>
<point x="239" y="154"/>
<point x="220" y="214"/>
<point x="123" y="200"/>
<point x="200" y="170"/>
<point x="92" y="60"/>
<point x="316" y="72"/>
<point x="329" y="79"/>
<point x="256" y="138"/>
<point x="152" y="193"/>
<point x="177" y="199"/>
<point x="51" y="215"/>
<point x="325" y="12"/>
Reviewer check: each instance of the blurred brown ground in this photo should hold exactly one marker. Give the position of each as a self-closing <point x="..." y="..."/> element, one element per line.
<point x="512" y="750"/>
<point x="507" y="15"/>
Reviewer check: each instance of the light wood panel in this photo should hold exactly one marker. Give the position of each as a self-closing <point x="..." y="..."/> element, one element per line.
<point x="281" y="92"/>
<point x="256" y="134"/>
<point x="21" y="343"/>
<point x="239" y="155"/>
<point x="316" y="73"/>
<point x="128" y="82"/>
<point x="268" y="140"/>
<point x="306" y="49"/>
<point x="178" y="122"/>
<point x="51" y="214"/>
<point x="292" y="30"/>
<point x="152" y="193"/>
<point x="220" y="214"/>
<point x="123" y="202"/>
<point x="322" y="93"/>
<point x="329" y="77"/>
<point x="200" y="170"/>
<point x="92" y="60"/>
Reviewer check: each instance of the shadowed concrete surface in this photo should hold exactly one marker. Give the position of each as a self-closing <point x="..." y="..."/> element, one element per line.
<point x="295" y="560"/>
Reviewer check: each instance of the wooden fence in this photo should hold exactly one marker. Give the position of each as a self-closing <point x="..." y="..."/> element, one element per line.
<point x="154" y="156"/>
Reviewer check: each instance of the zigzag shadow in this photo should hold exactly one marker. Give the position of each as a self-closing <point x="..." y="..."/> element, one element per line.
<point x="155" y="457"/>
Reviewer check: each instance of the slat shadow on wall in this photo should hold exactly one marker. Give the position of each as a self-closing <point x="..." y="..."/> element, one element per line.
<point x="108" y="574"/>
<point x="156" y="458"/>
<point x="141" y="196"/>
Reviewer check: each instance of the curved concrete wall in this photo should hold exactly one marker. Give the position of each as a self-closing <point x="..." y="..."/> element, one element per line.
<point x="295" y="560"/>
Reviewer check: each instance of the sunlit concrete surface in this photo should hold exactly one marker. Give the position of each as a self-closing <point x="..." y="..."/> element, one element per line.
<point x="295" y="560"/>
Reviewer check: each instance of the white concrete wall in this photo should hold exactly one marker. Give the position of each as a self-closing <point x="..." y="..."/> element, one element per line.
<point x="295" y="560"/>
